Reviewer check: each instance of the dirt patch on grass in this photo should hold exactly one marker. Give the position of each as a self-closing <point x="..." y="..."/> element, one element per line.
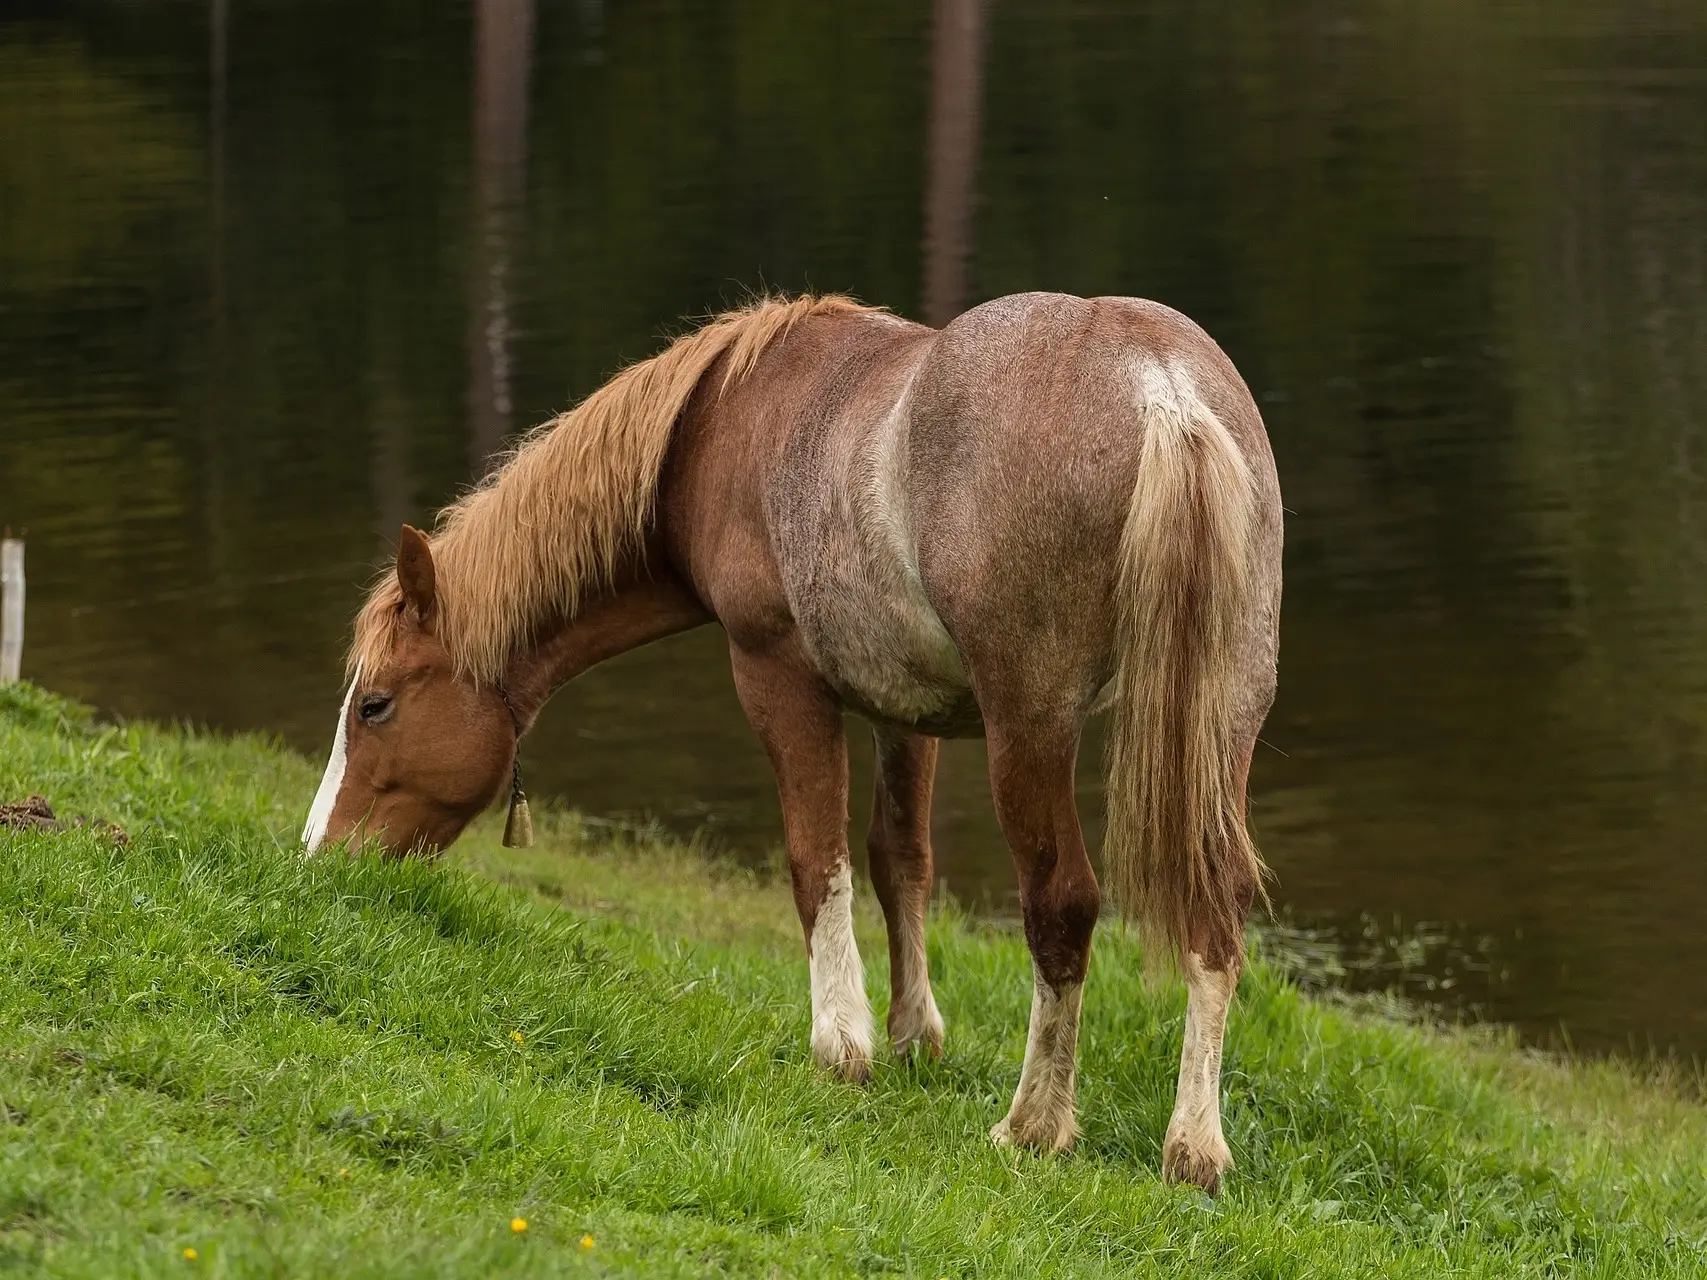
<point x="36" y="814"/>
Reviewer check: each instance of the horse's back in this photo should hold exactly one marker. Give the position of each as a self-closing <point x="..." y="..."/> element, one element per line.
<point x="1038" y="399"/>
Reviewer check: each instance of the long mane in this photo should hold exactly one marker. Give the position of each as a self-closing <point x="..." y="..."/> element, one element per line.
<point x="577" y="495"/>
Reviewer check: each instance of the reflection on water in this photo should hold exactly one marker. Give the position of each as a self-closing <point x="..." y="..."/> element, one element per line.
<point x="274" y="277"/>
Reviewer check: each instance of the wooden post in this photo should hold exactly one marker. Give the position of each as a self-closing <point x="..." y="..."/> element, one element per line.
<point x="951" y="184"/>
<point x="11" y="608"/>
<point x="503" y="60"/>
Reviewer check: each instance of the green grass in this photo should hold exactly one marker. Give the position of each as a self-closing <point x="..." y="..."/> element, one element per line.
<point x="312" y="1067"/>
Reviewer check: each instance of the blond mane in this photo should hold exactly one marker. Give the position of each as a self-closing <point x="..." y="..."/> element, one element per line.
<point x="574" y="497"/>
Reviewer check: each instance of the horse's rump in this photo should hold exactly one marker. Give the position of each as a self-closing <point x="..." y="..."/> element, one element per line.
<point x="1085" y="516"/>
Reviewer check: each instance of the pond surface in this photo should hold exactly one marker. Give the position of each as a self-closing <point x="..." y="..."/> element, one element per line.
<point x="276" y="277"/>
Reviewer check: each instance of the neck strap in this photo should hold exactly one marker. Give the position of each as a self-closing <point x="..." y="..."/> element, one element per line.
<point x="518" y="828"/>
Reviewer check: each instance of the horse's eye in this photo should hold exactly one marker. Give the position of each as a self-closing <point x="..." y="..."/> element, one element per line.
<point x="375" y="708"/>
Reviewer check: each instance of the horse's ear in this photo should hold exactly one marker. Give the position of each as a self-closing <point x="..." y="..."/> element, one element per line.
<point x="415" y="573"/>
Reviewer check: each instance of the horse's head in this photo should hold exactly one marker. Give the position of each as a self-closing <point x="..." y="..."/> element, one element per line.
<point x="421" y="748"/>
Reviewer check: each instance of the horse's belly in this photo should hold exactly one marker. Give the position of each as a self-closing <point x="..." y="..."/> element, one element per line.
<point x="955" y="714"/>
<point x="891" y="659"/>
<point x="958" y="718"/>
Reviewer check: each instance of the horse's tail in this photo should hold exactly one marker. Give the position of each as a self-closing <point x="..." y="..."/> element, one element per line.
<point x="1178" y="855"/>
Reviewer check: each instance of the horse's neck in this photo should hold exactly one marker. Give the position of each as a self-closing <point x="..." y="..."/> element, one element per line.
<point x="640" y="608"/>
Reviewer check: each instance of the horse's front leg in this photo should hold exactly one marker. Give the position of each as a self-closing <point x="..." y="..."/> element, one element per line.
<point x="799" y="722"/>
<point x="899" y="842"/>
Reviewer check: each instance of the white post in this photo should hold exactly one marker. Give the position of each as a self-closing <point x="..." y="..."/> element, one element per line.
<point x="11" y="608"/>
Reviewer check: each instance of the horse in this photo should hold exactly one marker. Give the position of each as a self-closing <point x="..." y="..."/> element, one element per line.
<point x="1049" y="507"/>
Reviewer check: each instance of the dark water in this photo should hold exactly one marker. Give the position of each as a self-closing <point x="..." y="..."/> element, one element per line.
<point x="274" y="277"/>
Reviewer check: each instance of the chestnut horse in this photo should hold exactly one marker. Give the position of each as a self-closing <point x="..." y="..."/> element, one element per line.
<point x="1051" y="506"/>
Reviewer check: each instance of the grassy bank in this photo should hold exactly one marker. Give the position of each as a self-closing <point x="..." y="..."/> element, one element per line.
<point x="345" y="1067"/>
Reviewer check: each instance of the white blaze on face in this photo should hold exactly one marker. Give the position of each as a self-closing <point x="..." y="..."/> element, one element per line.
<point x="332" y="781"/>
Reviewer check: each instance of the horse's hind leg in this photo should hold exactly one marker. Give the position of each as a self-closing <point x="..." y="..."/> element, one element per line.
<point x="1195" y="1149"/>
<point x="800" y="723"/>
<point x="1031" y="776"/>
<point x="900" y="846"/>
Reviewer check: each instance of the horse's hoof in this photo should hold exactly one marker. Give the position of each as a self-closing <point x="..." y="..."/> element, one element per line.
<point x="1036" y="1132"/>
<point x="918" y="1046"/>
<point x="853" y="1071"/>
<point x="846" y="1059"/>
<point x="926" y="1039"/>
<point x="1200" y="1164"/>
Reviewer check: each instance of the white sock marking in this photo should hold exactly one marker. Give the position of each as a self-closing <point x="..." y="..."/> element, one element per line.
<point x="1042" y="1111"/>
<point x="841" y="1015"/>
<point x="331" y="782"/>
<point x="1196" y="1121"/>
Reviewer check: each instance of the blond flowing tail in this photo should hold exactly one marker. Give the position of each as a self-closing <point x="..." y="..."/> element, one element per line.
<point x="1178" y="856"/>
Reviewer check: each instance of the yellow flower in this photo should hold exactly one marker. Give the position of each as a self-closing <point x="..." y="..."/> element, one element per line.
<point x="587" y="1242"/>
<point x="518" y="1225"/>
<point x="190" y="1255"/>
<point x="516" y="1036"/>
<point x="343" y="1173"/>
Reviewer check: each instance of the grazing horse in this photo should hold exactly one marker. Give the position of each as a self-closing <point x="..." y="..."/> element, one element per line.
<point x="1052" y="505"/>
